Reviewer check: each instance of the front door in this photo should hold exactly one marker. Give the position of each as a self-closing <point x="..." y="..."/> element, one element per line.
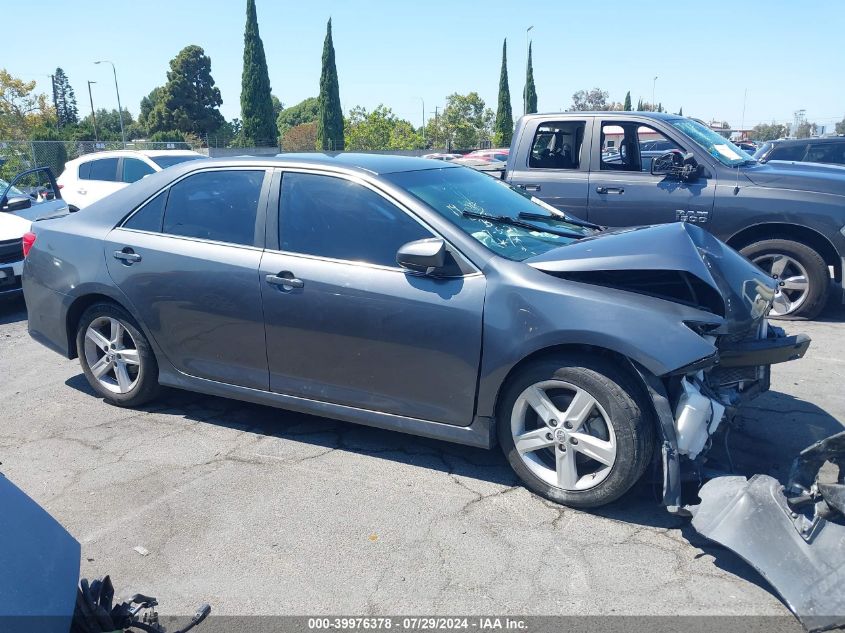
<point x="346" y="325"/>
<point x="557" y="167"/>
<point x="188" y="262"/>
<point x="622" y="190"/>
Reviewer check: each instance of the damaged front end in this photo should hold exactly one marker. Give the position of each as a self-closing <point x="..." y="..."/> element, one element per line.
<point x="793" y="535"/>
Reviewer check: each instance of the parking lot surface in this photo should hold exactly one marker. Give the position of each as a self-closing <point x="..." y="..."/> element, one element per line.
<point x="261" y="511"/>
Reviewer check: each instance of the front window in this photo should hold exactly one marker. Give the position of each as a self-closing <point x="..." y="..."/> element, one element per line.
<point x="459" y="194"/>
<point x="714" y="144"/>
<point x="168" y="161"/>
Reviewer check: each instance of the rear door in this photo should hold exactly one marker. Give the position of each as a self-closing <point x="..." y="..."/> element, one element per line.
<point x="188" y="262"/>
<point x="622" y="190"/>
<point x="556" y="169"/>
<point x="346" y="325"/>
<point x="97" y="178"/>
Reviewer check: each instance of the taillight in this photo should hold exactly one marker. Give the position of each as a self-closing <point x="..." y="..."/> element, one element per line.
<point x="60" y="186"/>
<point x="28" y="241"/>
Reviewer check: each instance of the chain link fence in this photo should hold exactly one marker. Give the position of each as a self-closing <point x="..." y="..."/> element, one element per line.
<point x="16" y="156"/>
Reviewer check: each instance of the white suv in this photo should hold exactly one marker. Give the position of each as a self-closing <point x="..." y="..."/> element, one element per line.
<point x="92" y="177"/>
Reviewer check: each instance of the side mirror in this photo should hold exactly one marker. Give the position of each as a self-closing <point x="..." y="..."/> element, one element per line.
<point x="676" y="164"/>
<point x="423" y="256"/>
<point x="16" y="203"/>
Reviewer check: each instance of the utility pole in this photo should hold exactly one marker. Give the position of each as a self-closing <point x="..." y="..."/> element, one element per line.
<point x="653" y="86"/>
<point x="93" y="114"/>
<point x="524" y="90"/>
<point x="117" y="90"/>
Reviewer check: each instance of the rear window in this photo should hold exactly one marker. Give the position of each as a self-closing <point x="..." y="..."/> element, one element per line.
<point x="101" y="169"/>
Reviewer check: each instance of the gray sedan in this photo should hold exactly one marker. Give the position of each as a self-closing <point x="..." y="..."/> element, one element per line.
<point x="416" y="296"/>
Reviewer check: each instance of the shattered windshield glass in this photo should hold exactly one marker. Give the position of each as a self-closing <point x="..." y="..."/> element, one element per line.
<point x="713" y="143"/>
<point x="465" y="196"/>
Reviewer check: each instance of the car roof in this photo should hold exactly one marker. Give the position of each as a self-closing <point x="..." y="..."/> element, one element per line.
<point x="371" y="163"/>
<point x="803" y="141"/>
<point x="664" y="116"/>
<point x="116" y="153"/>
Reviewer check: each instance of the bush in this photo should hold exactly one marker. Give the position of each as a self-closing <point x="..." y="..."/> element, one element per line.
<point x="171" y="136"/>
<point x="300" y="138"/>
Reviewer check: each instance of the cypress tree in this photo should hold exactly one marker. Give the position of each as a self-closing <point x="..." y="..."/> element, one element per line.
<point x="681" y="111"/>
<point x="530" y="93"/>
<point x="640" y="105"/>
<point x="627" y="106"/>
<point x="503" y="127"/>
<point x="259" y="124"/>
<point x="330" y="121"/>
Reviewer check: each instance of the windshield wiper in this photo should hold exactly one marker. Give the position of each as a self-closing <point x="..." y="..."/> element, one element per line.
<point x="525" y="215"/>
<point x="504" y="219"/>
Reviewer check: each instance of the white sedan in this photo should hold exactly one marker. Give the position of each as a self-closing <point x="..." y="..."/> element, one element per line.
<point x="92" y="177"/>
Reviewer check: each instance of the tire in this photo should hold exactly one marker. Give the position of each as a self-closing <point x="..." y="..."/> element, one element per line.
<point x="137" y="383"/>
<point x="805" y="299"/>
<point x="630" y="435"/>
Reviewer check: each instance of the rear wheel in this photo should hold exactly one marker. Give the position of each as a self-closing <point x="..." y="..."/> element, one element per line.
<point x="802" y="276"/>
<point x="116" y="357"/>
<point x="575" y="430"/>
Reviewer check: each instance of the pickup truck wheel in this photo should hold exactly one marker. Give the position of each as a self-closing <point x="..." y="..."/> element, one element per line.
<point x="116" y="357"/>
<point x="801" y="273"/>
<point x="575" y="430"/>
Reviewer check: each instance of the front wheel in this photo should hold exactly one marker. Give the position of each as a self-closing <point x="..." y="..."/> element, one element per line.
<point x="801" y="274"/>
<point x="116" y="357"/>
<point x="575" y="429"/>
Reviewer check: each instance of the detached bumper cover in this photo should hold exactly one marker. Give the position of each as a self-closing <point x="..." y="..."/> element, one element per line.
<point x="797" y="544"/>
<point x="767" y="351"/>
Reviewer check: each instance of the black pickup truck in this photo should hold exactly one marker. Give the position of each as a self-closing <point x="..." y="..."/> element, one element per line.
<point x="635" y="168"/>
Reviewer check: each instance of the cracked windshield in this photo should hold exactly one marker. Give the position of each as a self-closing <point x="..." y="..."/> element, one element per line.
<point x="506" y="220"/>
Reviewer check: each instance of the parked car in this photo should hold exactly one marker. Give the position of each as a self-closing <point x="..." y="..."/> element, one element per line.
<point x="32" y="193"/>
<point x="491" y="155"/>
<point x="92" y="177"/>
<point x="789" y="219"/>
<point x="494" y="168"/>
<point x="806" y="150"/>
<point x="442" y="156"/>
<point x="749" y="147"/>
<point x="414" y="296"/>
<point x="12" y="230"/>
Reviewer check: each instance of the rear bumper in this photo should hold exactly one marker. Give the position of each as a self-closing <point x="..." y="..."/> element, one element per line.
<point x="47" y="316"/>
<point x="767" y="351"/>
<point x="10" y="278"/>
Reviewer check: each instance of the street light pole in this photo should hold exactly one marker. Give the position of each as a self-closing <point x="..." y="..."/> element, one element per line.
<point x="423" y="118"/>
<point x="93" y="115"/>
<point x="525" y="90"/>
<point x="653" y="86"/>
<point x="117" y="90"/>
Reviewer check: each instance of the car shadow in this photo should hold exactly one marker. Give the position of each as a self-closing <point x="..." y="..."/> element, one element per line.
<point x="834" y="311"/>
<point x="756" y="446"/>
<point x="12" y="310"/>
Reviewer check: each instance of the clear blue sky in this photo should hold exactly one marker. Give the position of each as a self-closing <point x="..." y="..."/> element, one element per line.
<point x="788" y="55"/>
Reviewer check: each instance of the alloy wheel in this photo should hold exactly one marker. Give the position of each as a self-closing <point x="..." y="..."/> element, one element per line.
<point x="563" y="435"/>
<point x="112" y="355"/>
<point x="792" y="278"/>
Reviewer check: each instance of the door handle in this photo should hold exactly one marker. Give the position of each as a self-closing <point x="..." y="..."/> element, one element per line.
<point x="127" y="256"/>
<point x="532" y="187"/>
<point x="81" y="191"/>
<point x="618" y="190"/>
<point x="285" y="281"/>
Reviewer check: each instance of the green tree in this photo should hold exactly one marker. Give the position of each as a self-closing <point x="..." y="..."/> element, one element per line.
<point x="278" y="106"/>
<point x="806" y="129"/>
<point x="306" y="111"/>
<point x="21" y="108"/>
<point x="840" y="126"/>
<point x="640" y="105"/>
<point x="170" y="136"/>
<point x="529" y="93"/>
<point x="627" y="105"/>
<point x="330" y="121"/>
<point x="379" y="130"/>
<point x="503" y="127"/>
<point x="259" y="124"/>
<point x="300" y="138"/>
<point x="584" y="100"/>
<point x="768" y="131"/>
<point x="108" y="124"/>
<point x="464" y="123"/>
<point x="189" y="102"/>
<point x="64" y="100"/>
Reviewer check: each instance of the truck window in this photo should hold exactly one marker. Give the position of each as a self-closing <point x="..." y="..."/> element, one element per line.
<point x="627" y="146"/>
<point x="557" y="145"/>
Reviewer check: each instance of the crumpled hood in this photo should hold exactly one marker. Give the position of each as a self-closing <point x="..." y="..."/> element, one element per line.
<point x="658" y="260"/>
<point x="815" y="177"/>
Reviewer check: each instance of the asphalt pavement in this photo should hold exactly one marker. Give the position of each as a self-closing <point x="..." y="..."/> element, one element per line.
<point x="260" y="511"/>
